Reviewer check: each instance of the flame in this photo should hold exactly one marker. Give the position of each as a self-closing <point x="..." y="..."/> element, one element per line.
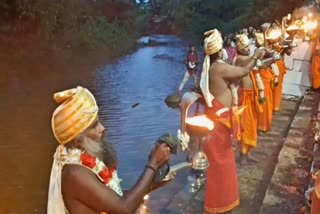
<point x="201" y="121"/>
<point x="292" y="27"/>
<point x="274" y="34"/>
<point x="304" y="19"/>
<point x="146" y="197"/>
<point x="286" y="35"/>
<point x="309" y="25"/>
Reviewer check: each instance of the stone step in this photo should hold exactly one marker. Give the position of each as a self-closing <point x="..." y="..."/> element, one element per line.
<point x="285" y="192"/>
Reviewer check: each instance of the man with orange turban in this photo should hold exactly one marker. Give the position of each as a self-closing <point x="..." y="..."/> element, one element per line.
<point x="84" y="176"/>
<point x="221" y="176"/>
<point x="315" y="70"/>
<point x="267" y="75"/>
<point x="249" y="97"/>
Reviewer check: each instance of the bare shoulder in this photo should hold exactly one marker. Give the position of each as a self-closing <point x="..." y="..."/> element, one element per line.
<point x="76" y="174"/>
<point x="218" y="67"/>
<point x="242" y="60"/>
<point x="221" y="71"/>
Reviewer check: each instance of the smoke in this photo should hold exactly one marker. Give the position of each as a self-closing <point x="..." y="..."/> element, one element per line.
<point x="311" y="11"/>
<point x="299" y="13"/>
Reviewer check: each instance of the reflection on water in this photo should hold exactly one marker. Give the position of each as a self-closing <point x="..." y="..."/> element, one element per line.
<point x="144" y="77"/>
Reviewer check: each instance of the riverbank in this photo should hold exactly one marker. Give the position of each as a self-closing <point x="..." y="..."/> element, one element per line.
<point x="30" y="75"/>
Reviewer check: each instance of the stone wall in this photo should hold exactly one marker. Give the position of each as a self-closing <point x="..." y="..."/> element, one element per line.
<point x="298" y="79"/>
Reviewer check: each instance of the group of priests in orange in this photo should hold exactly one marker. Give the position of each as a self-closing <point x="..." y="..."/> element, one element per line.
<point x="260" y="91"/>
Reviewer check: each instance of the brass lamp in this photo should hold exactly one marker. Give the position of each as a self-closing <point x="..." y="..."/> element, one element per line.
<point x="273" y="34"/>
<point x="198" y="127"/>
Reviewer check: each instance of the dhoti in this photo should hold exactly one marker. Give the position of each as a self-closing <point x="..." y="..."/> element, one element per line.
<point x="315" y="71"/>
<point x="265" y="117"/>
<point x="222" y="192"/>
<point x="277" y="90"/>
<point x="315" y="206"/>
<point x="248" y="119"/>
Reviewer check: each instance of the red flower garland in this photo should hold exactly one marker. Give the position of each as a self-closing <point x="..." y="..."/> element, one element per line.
<point x="88" y="160"/>
<point x="105" y="174"/>
<point x="91" y="161"/>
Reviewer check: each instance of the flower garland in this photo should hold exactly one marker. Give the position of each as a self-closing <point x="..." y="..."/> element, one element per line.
<point x="234" y="91"/>
<point x="276" y="72"/>
<point x="260" y="85"/>
<point x="107" y="175"/>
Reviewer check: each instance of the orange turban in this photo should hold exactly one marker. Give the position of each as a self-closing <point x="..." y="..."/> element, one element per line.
<point x="213" y="42"/>
<point x="259" y="38"/>
<point x="77" y="111"/>
<point x="242" y="41"/>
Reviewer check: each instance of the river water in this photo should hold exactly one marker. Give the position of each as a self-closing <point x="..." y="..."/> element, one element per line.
<point x="130" y="92"/>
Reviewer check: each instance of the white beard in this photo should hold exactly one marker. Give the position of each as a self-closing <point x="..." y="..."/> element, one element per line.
<point x="92" y="147"/>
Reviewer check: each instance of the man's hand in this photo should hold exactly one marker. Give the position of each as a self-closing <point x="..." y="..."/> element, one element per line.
<point x="156" y="185"/>
<point x="184" y="139"/>
<point x="276" y="56"/>
<point x="259" y="53"/>
<point x="159" y="156"/>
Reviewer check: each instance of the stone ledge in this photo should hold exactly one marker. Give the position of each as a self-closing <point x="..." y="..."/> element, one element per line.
<point x="289" y="180"/>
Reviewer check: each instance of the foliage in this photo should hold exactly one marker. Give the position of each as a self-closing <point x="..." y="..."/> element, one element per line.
<point x="197" y="16"/>
<point x="85" y="23"/>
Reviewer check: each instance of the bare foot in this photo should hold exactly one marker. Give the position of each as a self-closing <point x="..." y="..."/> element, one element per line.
<point x="243" y="160"/>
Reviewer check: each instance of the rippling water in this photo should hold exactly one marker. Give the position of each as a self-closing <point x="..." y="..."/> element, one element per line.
<point x="145" y="78"/>
<point x="130" y="92"/>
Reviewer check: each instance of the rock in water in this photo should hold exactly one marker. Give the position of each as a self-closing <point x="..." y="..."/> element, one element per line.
<point x="173" y="100"/>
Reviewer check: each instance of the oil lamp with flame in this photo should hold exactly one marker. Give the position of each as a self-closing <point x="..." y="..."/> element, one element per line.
<point x="302" y="28"/>
<point x="197" y="127"/>
<point x="273" y="34"/>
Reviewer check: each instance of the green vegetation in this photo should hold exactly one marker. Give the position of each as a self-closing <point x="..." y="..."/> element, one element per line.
<point x="193" y="17"/>
<point x="115" y="24"/>
<point x="75" y="23"/>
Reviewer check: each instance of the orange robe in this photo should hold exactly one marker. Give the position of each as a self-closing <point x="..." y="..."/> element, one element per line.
<point x="265" y="117"/>
<point x="222" y="192"/>
<point x="315" y="197"/>
<point x="248" y="120"/>
<point x="277" y="90"/>
<point x="315" y="71"/>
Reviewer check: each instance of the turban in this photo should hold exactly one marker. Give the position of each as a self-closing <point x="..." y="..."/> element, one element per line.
<point x="213" y="42"/>
<point x="77" y="111"/>
<point x="242" y="41"/>
<point x="259" y="38"/>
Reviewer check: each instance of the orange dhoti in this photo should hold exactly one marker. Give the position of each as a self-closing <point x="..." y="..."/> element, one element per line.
<point x="277" y="90"/>
<point x="265" y="117"/>
<point x="222" y="192"/>
<point x="248" y="119"/>
<point x="315" y="70"/>
<point x="315" y="197"/>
